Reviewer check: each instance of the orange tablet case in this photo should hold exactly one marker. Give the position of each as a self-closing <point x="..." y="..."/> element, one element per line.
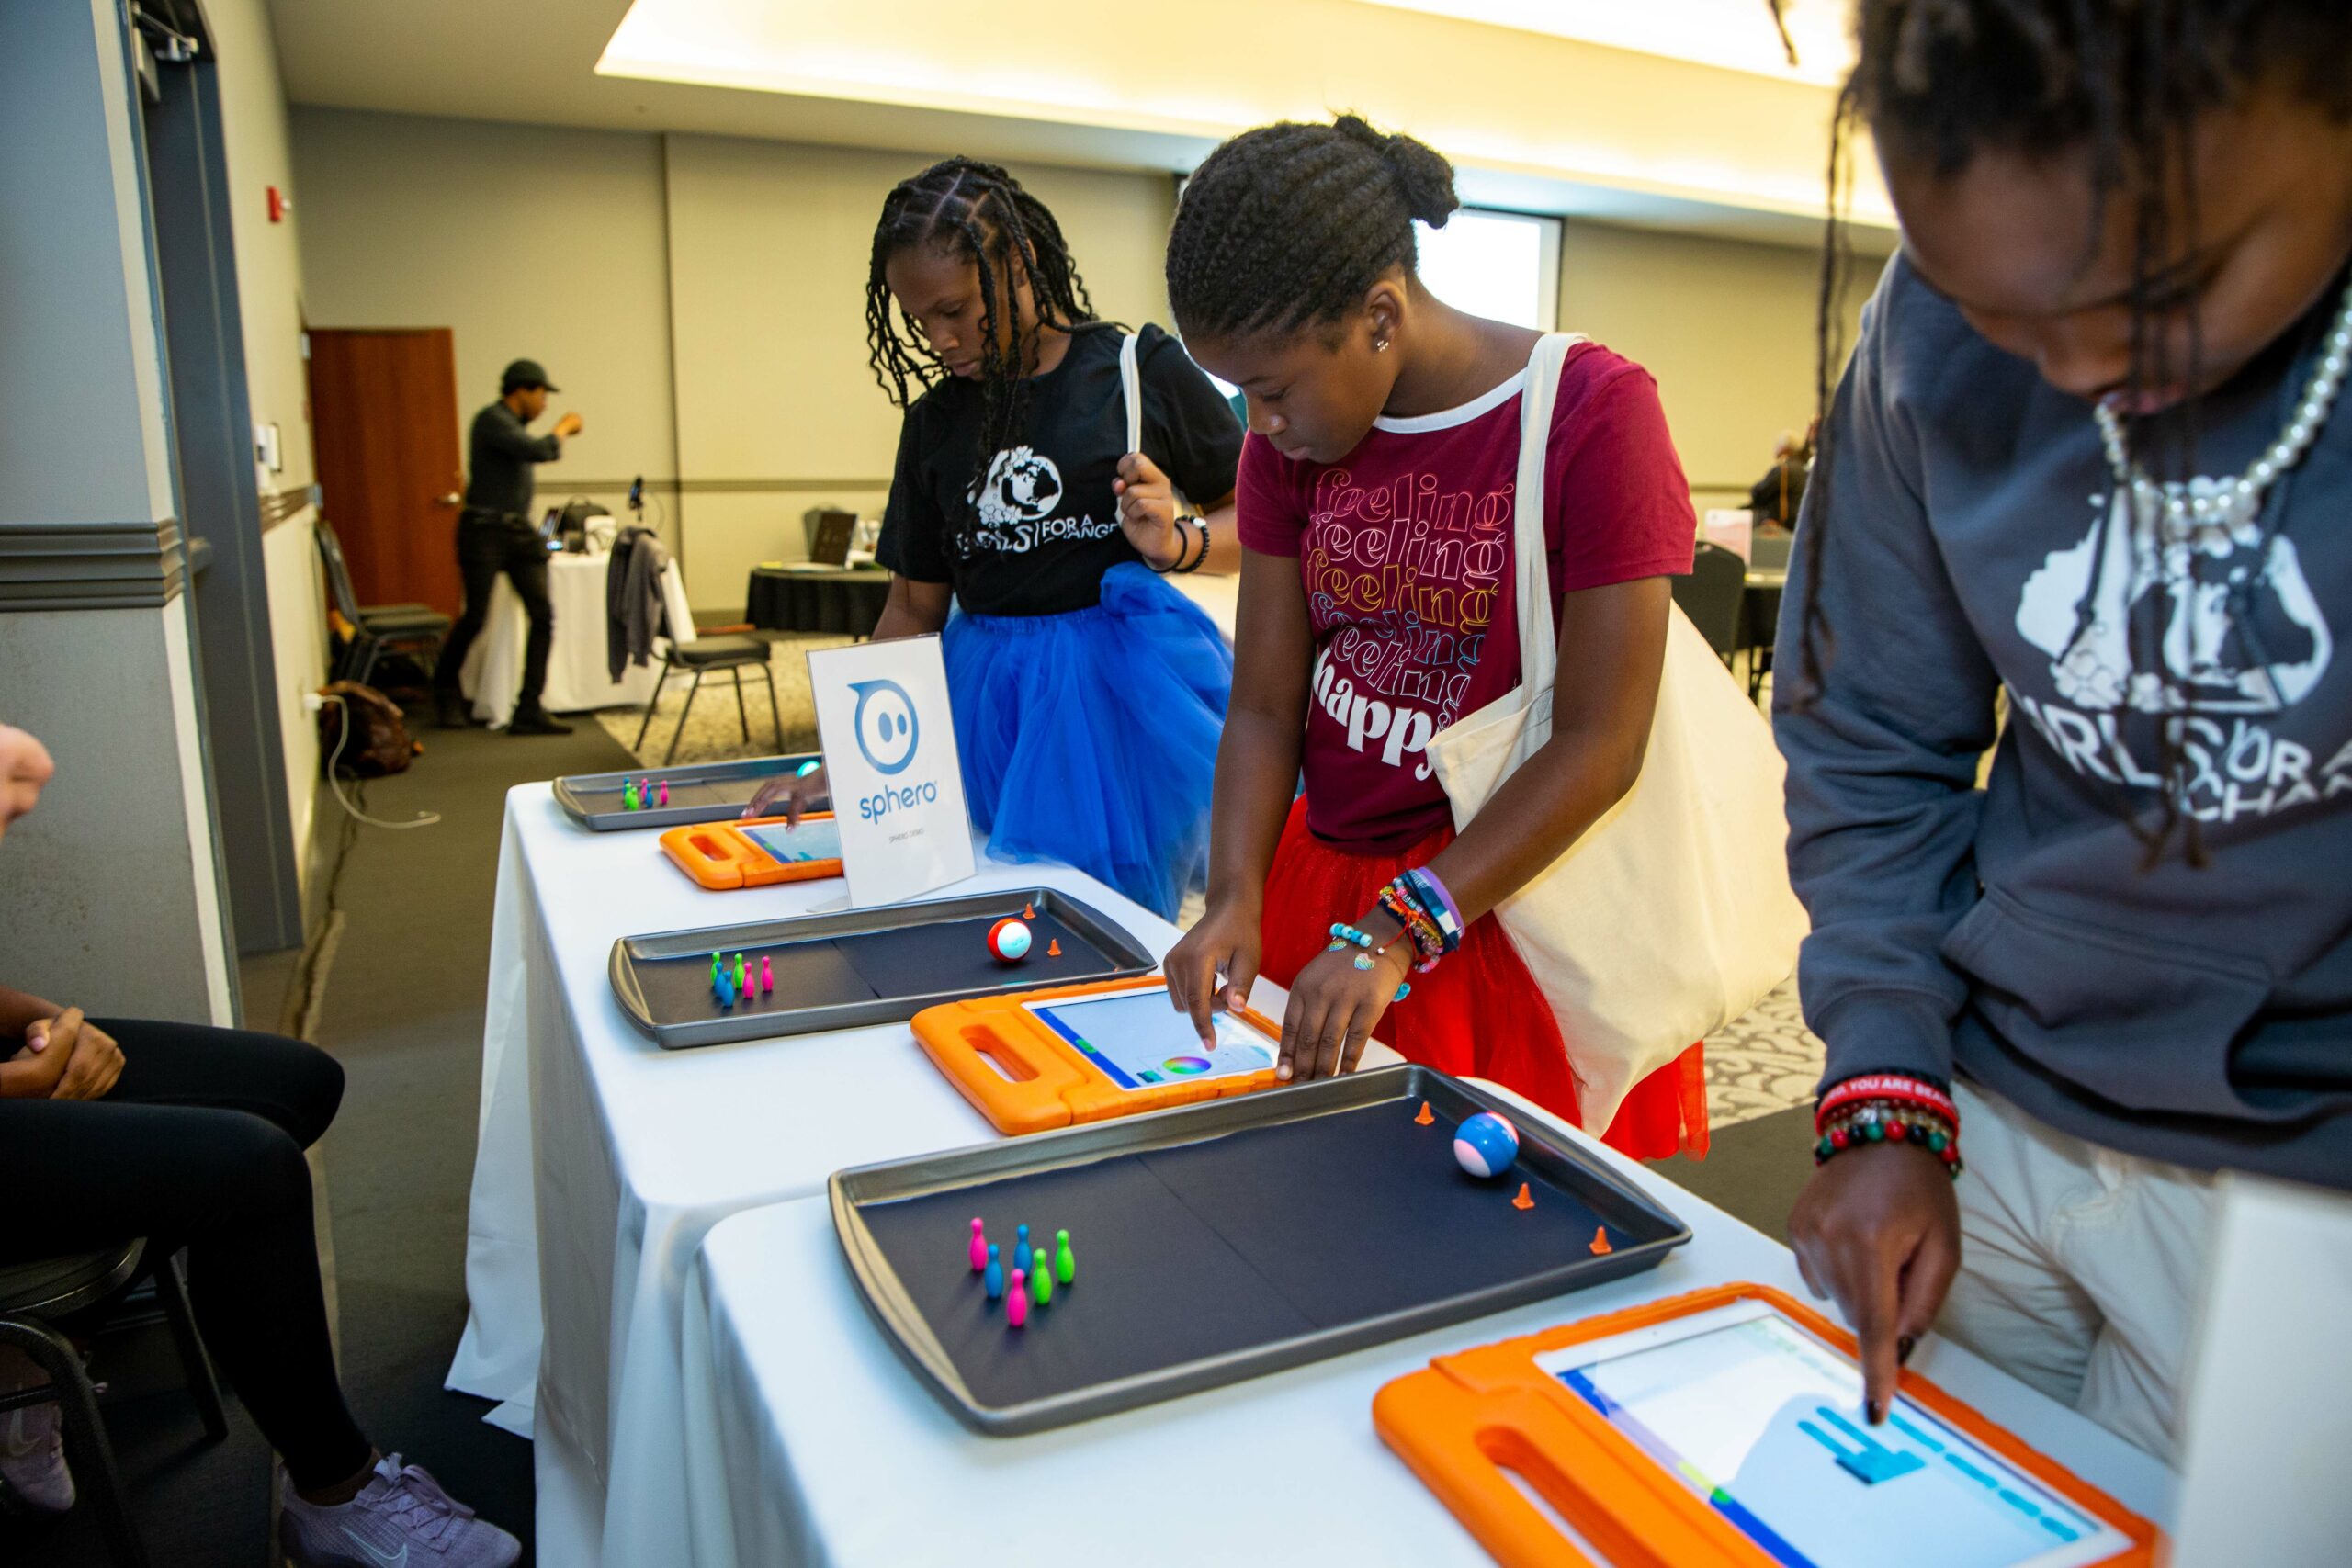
<point x="1044" y="1081"/>
<point x="715" y="855"/>
<point x="1467" y="1418"/>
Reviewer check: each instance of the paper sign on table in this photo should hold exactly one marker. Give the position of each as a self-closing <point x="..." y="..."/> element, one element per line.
<point x="898" y="785"/>
<point x="1733" y="528"/>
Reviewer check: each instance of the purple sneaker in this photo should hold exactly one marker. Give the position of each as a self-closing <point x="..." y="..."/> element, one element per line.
<point x="32" y="1459"/>
<point x="401" y="1518"/>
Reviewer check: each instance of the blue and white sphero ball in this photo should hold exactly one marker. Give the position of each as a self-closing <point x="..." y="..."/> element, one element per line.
<point x="1486" y="1145"/>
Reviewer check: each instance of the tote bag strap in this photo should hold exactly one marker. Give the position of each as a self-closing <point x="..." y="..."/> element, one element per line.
<point x="1131" y="389"/>
<point x="1539" y="641"/>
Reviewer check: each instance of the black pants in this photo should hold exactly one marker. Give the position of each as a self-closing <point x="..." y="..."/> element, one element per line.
<point x="199" y="1144"/>
<point x="486" y="547"/>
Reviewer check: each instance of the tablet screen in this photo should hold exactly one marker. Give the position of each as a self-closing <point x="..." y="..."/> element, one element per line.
<point x="1764" y="1422"/>
<point x="1137" y="1040"/>
<point x="813" y="839"/>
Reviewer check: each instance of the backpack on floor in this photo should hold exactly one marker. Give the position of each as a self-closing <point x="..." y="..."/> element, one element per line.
<point x="378" y="741"/>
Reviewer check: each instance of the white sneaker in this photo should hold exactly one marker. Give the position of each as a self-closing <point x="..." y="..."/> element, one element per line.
<point x="32" y="1459"/>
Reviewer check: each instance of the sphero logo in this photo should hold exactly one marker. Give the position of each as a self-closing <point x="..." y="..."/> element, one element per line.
<point x="884" y="723"/>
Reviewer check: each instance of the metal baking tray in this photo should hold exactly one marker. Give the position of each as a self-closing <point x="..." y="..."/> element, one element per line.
<point x="703" y="792"/>
<point x="1398" y="1242"/>
<point x="900" y="959"/>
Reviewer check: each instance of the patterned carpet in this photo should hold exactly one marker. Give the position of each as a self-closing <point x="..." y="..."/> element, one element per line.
<point x="1764" y="1062"/>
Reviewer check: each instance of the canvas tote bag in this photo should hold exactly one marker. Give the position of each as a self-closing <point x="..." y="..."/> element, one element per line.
<point x="1672" y="915"/>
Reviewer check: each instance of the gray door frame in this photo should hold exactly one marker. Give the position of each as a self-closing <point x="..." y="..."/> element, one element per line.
<point x="220" y="503"/>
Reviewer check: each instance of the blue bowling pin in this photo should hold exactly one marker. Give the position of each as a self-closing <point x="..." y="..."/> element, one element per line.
<point x="994" y="1278"/>
<point x="1020" y="1254"/>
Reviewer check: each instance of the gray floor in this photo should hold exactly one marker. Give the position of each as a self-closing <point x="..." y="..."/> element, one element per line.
<point x="402" y="1011"/>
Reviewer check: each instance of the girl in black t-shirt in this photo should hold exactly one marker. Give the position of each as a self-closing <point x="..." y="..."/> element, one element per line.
<point x="1088" y="694"/>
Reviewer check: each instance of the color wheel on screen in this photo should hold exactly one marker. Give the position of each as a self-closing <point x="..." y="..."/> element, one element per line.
<point x="1138" y="1041"/>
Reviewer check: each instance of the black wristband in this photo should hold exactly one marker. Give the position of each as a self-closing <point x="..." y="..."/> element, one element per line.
<point x="1203" y="524"/>
<point x="1178" y="564"/>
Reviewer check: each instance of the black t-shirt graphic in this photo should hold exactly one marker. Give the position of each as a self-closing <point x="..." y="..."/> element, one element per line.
<point x="1042" y="529"/>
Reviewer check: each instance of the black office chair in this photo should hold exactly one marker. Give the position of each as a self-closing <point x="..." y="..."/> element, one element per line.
<point x="419" y="628"/>
<point x="1711" y="596"/>
<point x="704" y="655"/>
<point x="34" y="1298"/>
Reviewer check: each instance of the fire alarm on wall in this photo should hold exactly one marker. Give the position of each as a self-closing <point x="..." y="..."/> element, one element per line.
<point x="278" y="205"/>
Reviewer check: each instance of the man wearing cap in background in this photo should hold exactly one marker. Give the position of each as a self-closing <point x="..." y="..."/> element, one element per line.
<point x="496" y="533"/>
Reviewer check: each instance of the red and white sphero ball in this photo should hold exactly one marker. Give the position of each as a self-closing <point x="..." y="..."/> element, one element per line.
<point x="1009" y="940"/>
<point x="1485" y="1145"/>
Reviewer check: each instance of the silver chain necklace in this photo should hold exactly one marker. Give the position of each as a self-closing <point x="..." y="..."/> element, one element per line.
<point x="2181" y="511"/>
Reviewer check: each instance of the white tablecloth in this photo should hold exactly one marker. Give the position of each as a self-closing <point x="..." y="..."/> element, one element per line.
<point x="578" y="670"/>
<point x="809" y="1442"/>
<point x="604" y="1160"/>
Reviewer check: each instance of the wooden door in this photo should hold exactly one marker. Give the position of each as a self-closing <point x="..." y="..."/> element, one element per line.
<point x="384" y="419"/>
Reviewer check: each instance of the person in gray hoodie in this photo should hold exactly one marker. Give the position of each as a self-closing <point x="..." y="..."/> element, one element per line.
<point x="2093" y="450"/>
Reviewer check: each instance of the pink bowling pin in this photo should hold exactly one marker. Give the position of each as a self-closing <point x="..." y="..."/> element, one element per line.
<point x="767" y="976"/>
<point x="1017" y="1300"/>
<point x="979" y="1249"/>
<point x="665" y="792"/>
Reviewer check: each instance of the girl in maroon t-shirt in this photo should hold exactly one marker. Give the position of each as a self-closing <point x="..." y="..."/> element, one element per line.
<point x="1376" y="507"/>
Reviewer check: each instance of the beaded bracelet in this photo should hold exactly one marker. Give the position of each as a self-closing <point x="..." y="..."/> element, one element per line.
<point x="1861" y="1123"/>
<point x="1203" y="524"/>
<point x="1346" y="936"/>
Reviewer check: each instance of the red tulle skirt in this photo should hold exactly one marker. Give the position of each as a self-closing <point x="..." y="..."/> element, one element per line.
<point x="1479" y="1014"/>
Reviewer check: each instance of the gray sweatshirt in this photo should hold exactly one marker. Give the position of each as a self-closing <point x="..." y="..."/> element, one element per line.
<point x="2019" y="936"/>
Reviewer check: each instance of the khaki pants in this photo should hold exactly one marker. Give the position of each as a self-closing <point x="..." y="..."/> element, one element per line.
<point x="2080" y="1268"/>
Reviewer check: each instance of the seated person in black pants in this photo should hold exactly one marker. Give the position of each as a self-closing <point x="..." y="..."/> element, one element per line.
<point x="116" y="1128"/>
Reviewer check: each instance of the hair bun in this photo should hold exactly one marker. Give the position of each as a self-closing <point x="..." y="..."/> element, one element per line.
<point x="1422" y="174"/>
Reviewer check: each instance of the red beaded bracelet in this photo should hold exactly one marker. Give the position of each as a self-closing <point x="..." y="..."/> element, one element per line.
<point x="1862" y="1122"/>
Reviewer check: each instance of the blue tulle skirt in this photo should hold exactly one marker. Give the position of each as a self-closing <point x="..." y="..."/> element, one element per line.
<point x="1091" y="738"/>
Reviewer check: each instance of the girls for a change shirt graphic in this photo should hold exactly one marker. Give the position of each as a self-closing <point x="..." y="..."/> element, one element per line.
<point x="1404" y="547"/>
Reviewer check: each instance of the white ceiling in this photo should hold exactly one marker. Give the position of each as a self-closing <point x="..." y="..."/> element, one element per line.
<point x="1735" y="34"/>
<point x="536" y="62"/>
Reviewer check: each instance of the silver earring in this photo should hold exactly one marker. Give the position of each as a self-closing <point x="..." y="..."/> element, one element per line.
<point x="1379" y="345"/>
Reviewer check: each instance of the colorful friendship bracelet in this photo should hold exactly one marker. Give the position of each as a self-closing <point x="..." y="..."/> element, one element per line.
<point x="1447" y="913"/>
<point x="1428" y="945"/>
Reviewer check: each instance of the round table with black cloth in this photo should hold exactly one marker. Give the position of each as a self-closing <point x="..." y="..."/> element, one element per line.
<point x="845" y="601"/>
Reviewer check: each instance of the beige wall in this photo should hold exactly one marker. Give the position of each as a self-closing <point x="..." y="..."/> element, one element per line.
<point x="588" y="249"/>
<point x="525" y="240"/>
<point x="739" y="268"/>
<point x="1725" y="326"/>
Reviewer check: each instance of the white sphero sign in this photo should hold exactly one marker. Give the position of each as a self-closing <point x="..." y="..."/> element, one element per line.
<point x="889" y="741"/>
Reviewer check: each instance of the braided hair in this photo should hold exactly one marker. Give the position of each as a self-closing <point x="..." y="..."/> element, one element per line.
<point x="964" y="207"/>
<point x="1941" y="81"/>
<point x="1288" y="226"/>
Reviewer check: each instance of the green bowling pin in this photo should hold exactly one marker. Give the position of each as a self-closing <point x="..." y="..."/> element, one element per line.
<point x="1064" y="1264"/>
<point x="1041" y="1280"/>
